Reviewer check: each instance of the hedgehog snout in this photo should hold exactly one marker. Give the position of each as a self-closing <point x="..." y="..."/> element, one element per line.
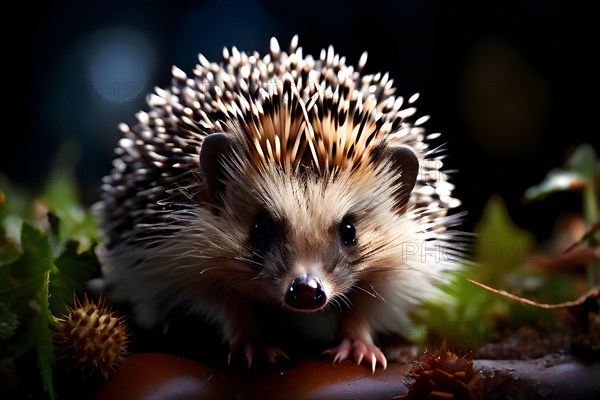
<point x="305" y="293"/>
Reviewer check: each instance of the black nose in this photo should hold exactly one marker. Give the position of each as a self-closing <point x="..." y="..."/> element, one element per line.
<point x="306" y="293"/>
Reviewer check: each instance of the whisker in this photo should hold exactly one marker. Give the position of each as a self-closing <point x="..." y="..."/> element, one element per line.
<point x="373" y="293"/>
<point x="345" y="300"/>
<point x="334" y="306"/>
<point x="236" y="284"/>
<point x="249" y="261"/>
<point x="206" y="269"/>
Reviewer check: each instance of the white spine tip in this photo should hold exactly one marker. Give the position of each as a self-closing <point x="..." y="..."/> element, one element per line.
<point x="274" y="46"/>
<point x="413" y="98"/>
<point x="422" y="120"/>
<point x="155" y="100"/>
<point x="178" y="73"/>
<point x="294" y="44"/>
<point x="235" y="53"/>
<point x="363" y="60"/>
<point x="204" y="61"/>
<point x="142" y="117"/>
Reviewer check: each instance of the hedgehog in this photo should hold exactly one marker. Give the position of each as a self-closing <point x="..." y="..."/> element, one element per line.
<point x="284" y="182"/>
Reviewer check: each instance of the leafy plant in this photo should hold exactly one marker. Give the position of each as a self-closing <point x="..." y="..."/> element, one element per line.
<point x="580" y="172"/>
<point x="469" y="315"/>
<point x="40" y="273"/>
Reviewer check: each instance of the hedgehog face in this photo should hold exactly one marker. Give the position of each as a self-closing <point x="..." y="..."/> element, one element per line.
<point x="303" y="265"/>
<point x="306" y="237"/>
<point x="311" y="237"/>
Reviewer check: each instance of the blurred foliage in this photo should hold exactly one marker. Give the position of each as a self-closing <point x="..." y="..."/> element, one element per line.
<point x="47" y="255"/>
<point x="8" y="322"/>
<point x="581" y="169"/>
<point x="580" y="172"/>
<point x="467" y="315"/>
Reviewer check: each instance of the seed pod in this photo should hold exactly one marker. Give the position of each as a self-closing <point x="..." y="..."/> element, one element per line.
<point x="444" y="375"/>
<point x="91" y="338"/>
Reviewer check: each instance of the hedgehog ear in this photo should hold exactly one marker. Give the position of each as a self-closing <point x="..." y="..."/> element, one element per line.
<point x="215" y="149"/>
<point x="406" y="162"/>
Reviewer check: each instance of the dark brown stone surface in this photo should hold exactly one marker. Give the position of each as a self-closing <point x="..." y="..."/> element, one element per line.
<point x="162" y="376"/>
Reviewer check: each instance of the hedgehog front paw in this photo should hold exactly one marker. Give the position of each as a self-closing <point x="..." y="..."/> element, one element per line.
<point x="359" y="350"/>
<point x="251" y="350"/>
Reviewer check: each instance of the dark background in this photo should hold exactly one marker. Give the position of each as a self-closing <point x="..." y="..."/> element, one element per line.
<point x="500" y="79"/>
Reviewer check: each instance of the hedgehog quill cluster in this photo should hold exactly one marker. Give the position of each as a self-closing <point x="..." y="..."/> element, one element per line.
<point x="295" y="183"/>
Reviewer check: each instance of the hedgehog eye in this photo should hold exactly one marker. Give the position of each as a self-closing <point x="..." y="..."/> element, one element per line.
<point x="262" y="228"/>
<point x="347" y="232"/>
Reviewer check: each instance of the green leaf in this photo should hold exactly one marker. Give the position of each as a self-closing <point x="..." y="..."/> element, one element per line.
<point x="584" y="161"/>
<point x="579" y="171"/>
<point x="73" y="270"/>
<point x="22" y="278"/>
<point x="501" y="245"/>
<point x="54" y="224"/>
<point x="44" y="346"/>
<point x="557" y="180"/>
<point x="19" y="293"/>
<point x="37" y="253"/>
<point x="20" y="300"/>
<point x="75" y="267"/>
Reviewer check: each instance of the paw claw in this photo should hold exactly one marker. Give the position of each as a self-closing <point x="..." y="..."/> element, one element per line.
<point x="383" y="362"/>
<point x="341" y="352"/>
<point x="328" y="352"/>
<point x="253" y="351"/>
<point x="272" y="353"/>
<point x="360" y="350"/>
<point x="373" y="363"/>
<point x="360" y="358"/>
<point x="250" y="354"/>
